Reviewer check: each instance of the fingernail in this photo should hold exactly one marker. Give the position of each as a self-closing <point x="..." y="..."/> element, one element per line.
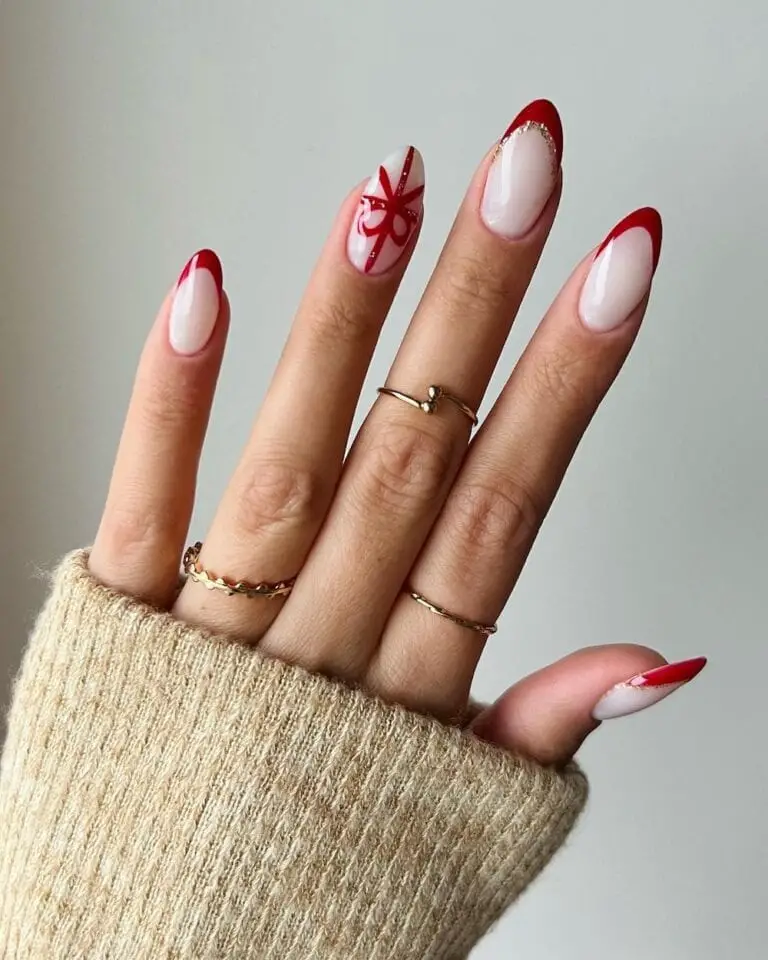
<point x="622" y="270"/>
<point x="524" y="171"/>
<point x="196" y="303"/>
<point x="645" y="689"/>
<point x="388" y="213"/>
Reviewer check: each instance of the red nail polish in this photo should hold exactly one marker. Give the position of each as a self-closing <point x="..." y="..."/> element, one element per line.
<point x="543" y="113"/>
<point x="669" y="673"/>
<point x="645" y="689"/>
<point x="646" y="217"/>
<point x="196" y="304"/>
<point x="389" y="213"/>
<point x="203" y="260"/>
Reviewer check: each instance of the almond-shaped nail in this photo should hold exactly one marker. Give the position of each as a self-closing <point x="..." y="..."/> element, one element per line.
<point x="645" y="689"/>
<point x="524" y="171"/>
<point x="389" y="212"/>
<point x="196" y="303"/>
<point x="622" y="270"/>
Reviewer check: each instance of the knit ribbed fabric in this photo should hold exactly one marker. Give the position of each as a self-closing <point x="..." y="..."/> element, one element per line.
<point x="170" y="795"/>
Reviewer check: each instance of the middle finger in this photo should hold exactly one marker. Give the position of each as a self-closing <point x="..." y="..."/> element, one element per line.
<point x="403" y="462"/>
<point x="477" y="548"/>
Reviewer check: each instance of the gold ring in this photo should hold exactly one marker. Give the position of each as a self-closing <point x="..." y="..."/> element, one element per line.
<point x="434" y="395"/>
<point x="193" y="570"/>
<point x="484" y="628"/>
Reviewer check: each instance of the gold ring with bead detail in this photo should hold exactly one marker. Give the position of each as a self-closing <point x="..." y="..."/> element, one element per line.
<point x="485" y="628"/>
<point x="267" y="591"/>
<point x="434" y="395"/>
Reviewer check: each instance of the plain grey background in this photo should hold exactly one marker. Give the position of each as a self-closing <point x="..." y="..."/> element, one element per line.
<point x="131" y="134"/>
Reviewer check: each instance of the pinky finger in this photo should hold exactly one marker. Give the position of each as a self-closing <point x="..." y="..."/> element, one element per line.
<point x="149" y="505"/>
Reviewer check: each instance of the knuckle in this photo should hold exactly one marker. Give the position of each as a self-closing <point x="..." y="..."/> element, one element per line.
<point x="129" y="535"/>
<point x="408" y="465"/>
<point x="279" y="494"/>
<point x="474" y="284"/>
<point x="491" y="518"/>
<point x="137" y="553"/>
<point x="168" y="406"/>
<point x="342" y="321"/>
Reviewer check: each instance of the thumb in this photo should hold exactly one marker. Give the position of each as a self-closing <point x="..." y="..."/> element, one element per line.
<point x="549" y="714"/>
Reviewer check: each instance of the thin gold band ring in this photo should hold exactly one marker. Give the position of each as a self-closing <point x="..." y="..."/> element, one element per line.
<point x="434" y="395"/>
<point x="266" y="591"/>
<point x="484" y="628"/>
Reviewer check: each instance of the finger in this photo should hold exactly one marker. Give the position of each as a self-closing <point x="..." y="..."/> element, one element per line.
<point x="549" y="714"/>
<point x="403" y="462"/>
<point x="482" y="538"/>
<point x="279" y="494"/>
<point x="142" y="531"/>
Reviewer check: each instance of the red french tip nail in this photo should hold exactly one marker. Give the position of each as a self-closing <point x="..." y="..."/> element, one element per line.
<point x="543" y="112"/>
<point x="646" y="217"/>
<point x="204" y="260"/>
<point x="680" y="672"/>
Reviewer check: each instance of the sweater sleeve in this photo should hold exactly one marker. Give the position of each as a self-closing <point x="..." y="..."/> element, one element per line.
<point x="167" y="794"/>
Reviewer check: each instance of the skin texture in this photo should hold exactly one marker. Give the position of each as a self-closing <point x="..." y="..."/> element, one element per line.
<point x="413" y="504"/>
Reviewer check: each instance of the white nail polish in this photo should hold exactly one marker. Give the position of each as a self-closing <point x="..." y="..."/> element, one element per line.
<point x="622" y="271"/>
<point x="196" y="303"/>
<point x="523" y="172"/>
<point x="647" y="688"/>
<point x="389" y="212"/>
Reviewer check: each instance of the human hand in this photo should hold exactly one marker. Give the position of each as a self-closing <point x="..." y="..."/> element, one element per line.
<point x="413" y="507"/>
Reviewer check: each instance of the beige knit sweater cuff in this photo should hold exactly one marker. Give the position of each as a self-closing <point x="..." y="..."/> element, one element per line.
<point x="170" y="794"/>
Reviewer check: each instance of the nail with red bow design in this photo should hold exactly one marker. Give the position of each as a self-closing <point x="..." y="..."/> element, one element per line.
<point x="388" y="213"/>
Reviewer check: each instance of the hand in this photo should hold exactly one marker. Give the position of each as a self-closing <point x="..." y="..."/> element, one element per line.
<point x="414" y="507"/>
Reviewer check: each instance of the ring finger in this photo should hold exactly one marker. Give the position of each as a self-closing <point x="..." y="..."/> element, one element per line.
<point x="279" y="494"/>
<point x="403" y="462"/>
<point x="480" y="543"/>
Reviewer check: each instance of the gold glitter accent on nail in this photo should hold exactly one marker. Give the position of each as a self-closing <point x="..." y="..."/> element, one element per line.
<point x="524" y="128"/>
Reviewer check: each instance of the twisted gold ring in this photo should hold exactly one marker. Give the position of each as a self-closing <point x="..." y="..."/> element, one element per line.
<point x="484" y="628"/>
<point x="434" y="395"/>
<point x="193" y="570"/>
